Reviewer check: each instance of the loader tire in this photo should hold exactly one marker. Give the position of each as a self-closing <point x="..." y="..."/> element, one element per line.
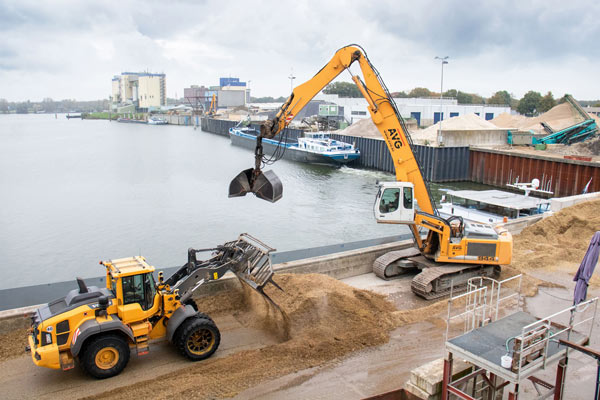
<point x="197" y="338"/>
<point x="105" y="356"/>
<point x="191" y="302"/>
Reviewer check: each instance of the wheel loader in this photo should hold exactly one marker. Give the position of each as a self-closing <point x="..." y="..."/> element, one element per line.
<point x="100" y="327"/>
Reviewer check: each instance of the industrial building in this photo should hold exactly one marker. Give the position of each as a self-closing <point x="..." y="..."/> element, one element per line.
<point x="143" y="90"/>
<point x="231" y="92"/>
<point x="426" y="111"/>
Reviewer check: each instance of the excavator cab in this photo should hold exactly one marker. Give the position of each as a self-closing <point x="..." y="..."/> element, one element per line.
<point x="395" y="203"/>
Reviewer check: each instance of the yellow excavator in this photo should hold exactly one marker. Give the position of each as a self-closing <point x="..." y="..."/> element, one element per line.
<point x="448" y="251"/>
<point x="212" y="110"/>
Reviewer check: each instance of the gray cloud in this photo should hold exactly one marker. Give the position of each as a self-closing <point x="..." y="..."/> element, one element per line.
<point x="71" y="49"/>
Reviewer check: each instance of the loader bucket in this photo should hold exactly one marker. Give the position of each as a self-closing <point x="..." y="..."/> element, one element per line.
<point x="254" y="265"/>
<point x="266" y="185"/>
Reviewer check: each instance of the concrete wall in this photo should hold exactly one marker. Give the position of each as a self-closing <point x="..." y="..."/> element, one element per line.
<point x="487" y="137"/>
<point x="558" y="204"/>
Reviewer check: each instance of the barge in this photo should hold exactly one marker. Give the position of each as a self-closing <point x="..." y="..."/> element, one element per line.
<point x="313" y="147"/>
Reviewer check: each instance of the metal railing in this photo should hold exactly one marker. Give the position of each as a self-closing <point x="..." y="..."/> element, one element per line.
<point x="530" y="341"/>
<point x="483" y="299"/>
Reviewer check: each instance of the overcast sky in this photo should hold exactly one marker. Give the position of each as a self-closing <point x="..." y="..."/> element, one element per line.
<point x="71" y="49"/>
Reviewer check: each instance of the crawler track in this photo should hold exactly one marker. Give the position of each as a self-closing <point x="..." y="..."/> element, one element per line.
<point x="435" y="280"/>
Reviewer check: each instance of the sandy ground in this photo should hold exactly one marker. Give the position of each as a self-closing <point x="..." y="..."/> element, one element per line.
<point x="334" y="339"/>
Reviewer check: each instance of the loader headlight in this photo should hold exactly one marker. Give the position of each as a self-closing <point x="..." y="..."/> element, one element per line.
<point x="46" y="338"/>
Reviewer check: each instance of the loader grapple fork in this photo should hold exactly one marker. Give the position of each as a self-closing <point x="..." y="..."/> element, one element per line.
<point x="254" y="264"/>
<point x="247" y="257"/>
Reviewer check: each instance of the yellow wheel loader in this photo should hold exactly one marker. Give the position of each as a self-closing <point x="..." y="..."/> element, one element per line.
<point x="100" y="327"/>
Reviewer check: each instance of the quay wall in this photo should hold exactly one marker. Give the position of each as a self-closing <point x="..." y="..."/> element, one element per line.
<point x="466" y="163"/>
<point x="566" y="177"/>
<point x="439" y="164"/>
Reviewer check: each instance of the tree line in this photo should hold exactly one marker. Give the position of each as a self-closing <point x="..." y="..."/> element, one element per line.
<point x="532" y="103"/>
<point x="51" y="106"/>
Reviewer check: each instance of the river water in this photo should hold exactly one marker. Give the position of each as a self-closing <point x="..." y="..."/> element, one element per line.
<point x="74" y="192"/>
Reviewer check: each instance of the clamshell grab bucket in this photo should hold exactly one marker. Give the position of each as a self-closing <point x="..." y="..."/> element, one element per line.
<point x="266" y="185"/>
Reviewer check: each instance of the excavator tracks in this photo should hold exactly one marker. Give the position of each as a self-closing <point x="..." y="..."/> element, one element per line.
<point x="395" y="263"/>
<point x="434" y="280"/>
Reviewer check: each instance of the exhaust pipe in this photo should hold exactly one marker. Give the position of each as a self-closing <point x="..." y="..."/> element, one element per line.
<point x="265" y="185"/>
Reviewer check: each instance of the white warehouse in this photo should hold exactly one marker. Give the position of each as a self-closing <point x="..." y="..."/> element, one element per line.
<point x="426" y="111"/>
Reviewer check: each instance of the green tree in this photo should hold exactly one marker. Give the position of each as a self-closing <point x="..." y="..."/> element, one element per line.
<point x="451" y="93"/>
<point x="530" y="103"/>
<point x="500" y="97"/>
<point x="267" y="99"/>
<point x="23" y="108"/>
<point x="477" y="99"/>
<point x="402" y="94"/>
<point x="420" y="92"/>
<point x="547" y="102"/>
<point x="343" y="89"/>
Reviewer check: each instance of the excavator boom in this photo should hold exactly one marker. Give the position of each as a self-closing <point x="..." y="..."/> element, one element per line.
<point x="452" y="247"/>
<point x="383" y="112"/>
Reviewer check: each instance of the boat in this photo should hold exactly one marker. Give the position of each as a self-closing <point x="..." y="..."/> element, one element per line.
<point x="157" y="121"/>
<point x="131" y="121"/>
<point x="313" y="147"/>
<point x="491" y="206"/>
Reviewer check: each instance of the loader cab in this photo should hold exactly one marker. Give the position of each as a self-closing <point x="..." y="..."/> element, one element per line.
<point x="132" y="282"/>
<point x="395" y="203"/>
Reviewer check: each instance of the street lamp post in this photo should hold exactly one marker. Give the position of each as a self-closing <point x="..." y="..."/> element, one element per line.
<point x="248" y="91"/>
<point x="440" y="137"/>
<point x="291" y="78"/>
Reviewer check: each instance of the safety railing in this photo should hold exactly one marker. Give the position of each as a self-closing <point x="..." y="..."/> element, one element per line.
<point x="482" y="302"/>
<point x="531" y="346"/>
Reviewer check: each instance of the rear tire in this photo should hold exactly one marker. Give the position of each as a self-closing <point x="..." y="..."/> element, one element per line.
<point x="105" y="356"/>
<point x="197" y="338"/>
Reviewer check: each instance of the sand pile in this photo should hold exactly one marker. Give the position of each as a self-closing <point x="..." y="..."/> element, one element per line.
<point x="509" y="121"/>
<point x="558" y="117"/>
<point x="559" y="242"/>
<point x="323" y="319"/>
<point x="363" y="128"/>
<point x="468" y="122"/>
<point x="13" y="337"/>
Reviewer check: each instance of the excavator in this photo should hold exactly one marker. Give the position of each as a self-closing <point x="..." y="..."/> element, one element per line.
<point x="447" y="251"/>
<point x="100" y="326"/>
<point x="212" y="110"/>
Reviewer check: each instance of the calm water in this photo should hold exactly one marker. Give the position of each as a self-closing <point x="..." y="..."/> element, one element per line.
<point x="75" y="192"/>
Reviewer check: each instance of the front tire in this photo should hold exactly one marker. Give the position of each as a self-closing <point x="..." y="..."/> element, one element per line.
<point x="105" y="356"/>
<point x="197" y="338"/>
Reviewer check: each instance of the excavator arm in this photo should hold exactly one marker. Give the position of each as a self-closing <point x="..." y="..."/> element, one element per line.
<point x="470" y="252"/>
<point x="383" y="112"/>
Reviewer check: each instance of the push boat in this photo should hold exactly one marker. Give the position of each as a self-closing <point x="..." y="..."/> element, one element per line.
<point x="157" y="121"/>
<point x="490" y="206"/>
<point x="313" y="147"/>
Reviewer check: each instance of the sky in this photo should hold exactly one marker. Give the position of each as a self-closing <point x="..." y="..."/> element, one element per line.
<point x="72" y="49"/>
